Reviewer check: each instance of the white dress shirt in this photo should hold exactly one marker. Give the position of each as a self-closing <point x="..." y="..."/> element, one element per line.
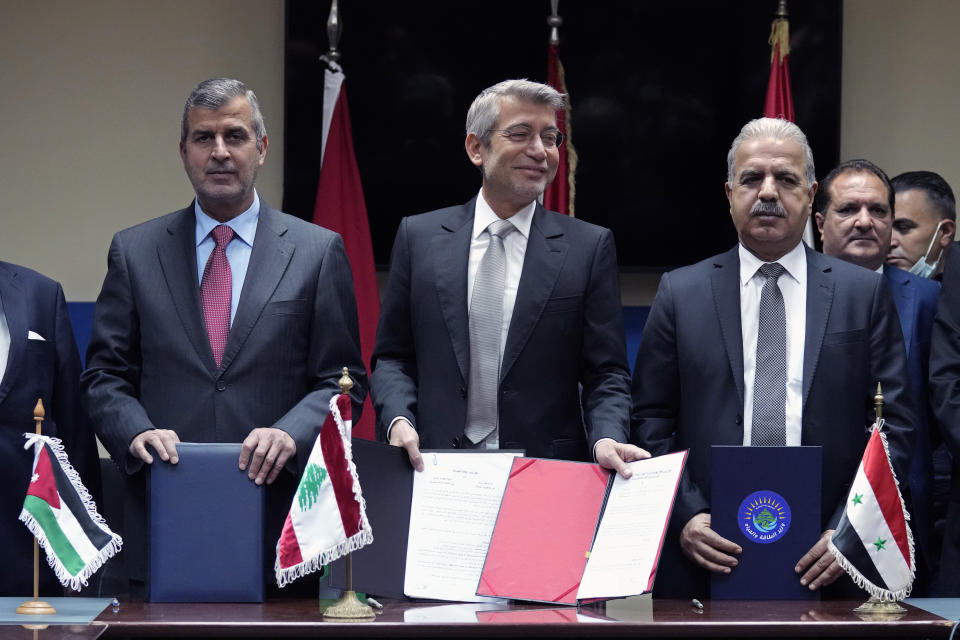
<point x="793" y="286"/>
<point x="238" y="251"/>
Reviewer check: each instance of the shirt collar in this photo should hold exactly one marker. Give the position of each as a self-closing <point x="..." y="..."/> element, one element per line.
<point x="794" y="262"/>
<point x="484" y="215"/>
<point x="244" y="225"/>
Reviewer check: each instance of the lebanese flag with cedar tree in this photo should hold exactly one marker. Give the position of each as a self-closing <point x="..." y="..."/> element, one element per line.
<point x="328" y="516"/>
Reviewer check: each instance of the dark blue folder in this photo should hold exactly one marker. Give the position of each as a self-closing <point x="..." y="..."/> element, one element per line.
<point x="206" y="528"/>
<point x="767" y="500"/>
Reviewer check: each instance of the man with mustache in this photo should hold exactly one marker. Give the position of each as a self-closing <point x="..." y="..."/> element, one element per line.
<point x="768" y="344"/>
<point x="501" y="324"/>
<point x="854" y="210"/>
<point x="225" y="321"/>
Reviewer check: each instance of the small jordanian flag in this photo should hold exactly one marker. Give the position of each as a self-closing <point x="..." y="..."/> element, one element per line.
<point x="873" y="542"/>
<point x="328" y="516"/>
<point x="60" y="513"/>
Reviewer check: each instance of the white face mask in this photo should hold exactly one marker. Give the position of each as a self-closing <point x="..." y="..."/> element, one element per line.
<point x="923" y="268"/>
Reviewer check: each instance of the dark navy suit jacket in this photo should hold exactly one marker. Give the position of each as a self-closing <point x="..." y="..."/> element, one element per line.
<point x="566" y="331"/>
<point x="688" y="383"/>
<point x="916" y="302"/>
<point x="48" y="369"/>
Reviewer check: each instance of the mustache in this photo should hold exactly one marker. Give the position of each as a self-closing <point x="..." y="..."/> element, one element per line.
<point x="762" y="208"/>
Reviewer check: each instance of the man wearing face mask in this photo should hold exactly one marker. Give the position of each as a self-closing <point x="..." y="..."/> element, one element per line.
<point x="925" y="225"/>
<point x="855" y="215"/>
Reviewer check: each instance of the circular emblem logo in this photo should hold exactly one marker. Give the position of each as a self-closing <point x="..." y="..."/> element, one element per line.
<point x="764" y="516"/>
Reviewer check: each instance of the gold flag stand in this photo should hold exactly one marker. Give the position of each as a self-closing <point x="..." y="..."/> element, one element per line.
<point x="875" y="608"/>
<point x="349" y="607"/>
<point x="36" y="606"/>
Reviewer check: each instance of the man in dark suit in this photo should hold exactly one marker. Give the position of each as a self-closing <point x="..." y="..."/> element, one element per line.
<point x="38" y="360"/>
<point x="498" y="312"/>
<point x="945" y="398"/>
<point x="226" y="321"/>
<point x="769" y="343"/>
<point x="855" y="212"/>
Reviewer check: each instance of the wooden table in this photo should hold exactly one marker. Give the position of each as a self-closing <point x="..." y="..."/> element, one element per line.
<point x="638" y="619"/>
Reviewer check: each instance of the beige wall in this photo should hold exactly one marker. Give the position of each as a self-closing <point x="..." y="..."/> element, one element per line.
<point x="901" y="85"/>
<point x="90" y="97"/>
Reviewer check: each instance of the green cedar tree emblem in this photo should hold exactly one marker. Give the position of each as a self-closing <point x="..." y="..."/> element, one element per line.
<point x="310" y="484"/>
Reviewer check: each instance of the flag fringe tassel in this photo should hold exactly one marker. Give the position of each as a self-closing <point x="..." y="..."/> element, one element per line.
<point x="884" y="595"/>
<point x="353" y="543"/>
<point x="107" y="552"/>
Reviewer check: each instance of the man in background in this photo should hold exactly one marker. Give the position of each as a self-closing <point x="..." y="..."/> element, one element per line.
<point x="856" y="216"/>
<point x="925" y="225"/>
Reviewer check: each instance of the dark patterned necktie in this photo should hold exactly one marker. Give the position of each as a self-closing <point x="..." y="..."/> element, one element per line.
<point x="216" y="289"/>
<point x="486" y="326"/>
<point x="770" y="379"/>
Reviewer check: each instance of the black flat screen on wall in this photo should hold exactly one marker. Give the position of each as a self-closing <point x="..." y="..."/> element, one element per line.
<point x="658" y="89"/>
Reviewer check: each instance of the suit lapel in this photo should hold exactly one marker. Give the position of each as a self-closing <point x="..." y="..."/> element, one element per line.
<point x="451" y="252"/>
<point x="15" y="310"/>
<point x="268" y="261"/>
<point x="178" y="260"/>
<point x="544" y="257"/>
<point x="820" y="286"/>
<point x="725" y="283"/>
<point x="905" y="297"/>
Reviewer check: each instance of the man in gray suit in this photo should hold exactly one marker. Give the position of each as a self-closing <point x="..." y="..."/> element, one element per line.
<point x="226" y="321"/>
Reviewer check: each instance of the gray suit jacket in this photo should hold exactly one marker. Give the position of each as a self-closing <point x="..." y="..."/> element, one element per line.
<point x="149" y="362"/>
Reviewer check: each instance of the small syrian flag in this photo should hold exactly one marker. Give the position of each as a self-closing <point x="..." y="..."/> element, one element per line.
<point x="328" y="517"/>
<point x="60" y="513"/>
<point x="873" y="542"/>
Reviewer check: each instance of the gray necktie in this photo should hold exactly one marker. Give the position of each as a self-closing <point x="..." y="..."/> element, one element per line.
<point x="486" y="325"/>
<point x="770" y="380"/>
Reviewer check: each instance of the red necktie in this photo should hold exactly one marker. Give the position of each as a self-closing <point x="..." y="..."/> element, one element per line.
<point x="216" y="288"/>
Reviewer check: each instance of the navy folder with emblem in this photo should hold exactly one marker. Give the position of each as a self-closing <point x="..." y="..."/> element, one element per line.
<point x="767" y="500"/>
<point x="205" y="528"/>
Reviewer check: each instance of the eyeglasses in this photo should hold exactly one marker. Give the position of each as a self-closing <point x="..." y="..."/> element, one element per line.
<point x="522" y="135"/>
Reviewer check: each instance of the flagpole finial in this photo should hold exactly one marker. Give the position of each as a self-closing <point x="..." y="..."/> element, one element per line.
<point x="878" y="402"/>
<point x="345" y="382"/>
<point x="333" y="31"/>
<point x="554" y="21"/>
<point x="782" y="9"/>
<point x="38" y="414"/>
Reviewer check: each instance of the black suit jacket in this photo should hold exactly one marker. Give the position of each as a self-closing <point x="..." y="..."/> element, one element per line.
<point x="149" y="362"/>
<point x="688" y="379"/>
<point x="48" y="369"/>
<point x="566" y="330"/>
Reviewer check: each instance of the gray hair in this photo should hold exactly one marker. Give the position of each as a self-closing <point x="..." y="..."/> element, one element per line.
<point x="485" y="110"/>
<point x="216" y="92"/>
<point x="777" y="129"/>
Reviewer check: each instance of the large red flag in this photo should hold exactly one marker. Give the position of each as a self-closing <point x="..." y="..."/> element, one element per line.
<point x="779" y="102"/>
<point x="560" y="193"/>
<point x="340" y="206"/>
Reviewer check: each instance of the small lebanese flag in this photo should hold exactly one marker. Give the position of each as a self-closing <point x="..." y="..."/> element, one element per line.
<point x="61" y="515"/>
<point x="873" y="542"/>
<point x="328" y="517"/>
